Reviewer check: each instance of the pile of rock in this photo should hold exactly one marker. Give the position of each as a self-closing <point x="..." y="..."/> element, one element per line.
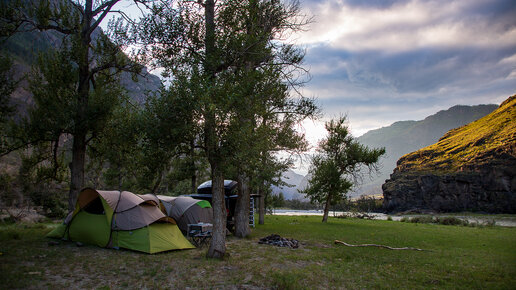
<point x="277" y="240"/>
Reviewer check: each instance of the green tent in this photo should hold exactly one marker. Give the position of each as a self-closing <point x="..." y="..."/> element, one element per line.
<point x="117" y="219"/>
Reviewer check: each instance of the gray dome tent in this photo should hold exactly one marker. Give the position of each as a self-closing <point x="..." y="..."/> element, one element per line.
<point x="186" y="210"/>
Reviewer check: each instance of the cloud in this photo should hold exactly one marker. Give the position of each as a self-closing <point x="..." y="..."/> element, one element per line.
<point x="379" y="62"/>
<point x="409" y="25"/>
<point x="386" y="61"/>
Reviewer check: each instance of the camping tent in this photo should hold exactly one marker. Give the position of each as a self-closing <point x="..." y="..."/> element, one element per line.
<point x="186" y="210"/>
<point x="121" y="219"/>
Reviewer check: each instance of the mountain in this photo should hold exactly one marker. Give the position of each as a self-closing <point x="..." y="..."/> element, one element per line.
<point x="403" y="137"/>
<point x="24" y="48"/>
<point x="471" y="168"/>
<point x="297" y="182"/>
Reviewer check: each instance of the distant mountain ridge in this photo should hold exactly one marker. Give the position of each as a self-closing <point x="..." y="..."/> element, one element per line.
<point x="404" y="137"/>
<point x="297" y="181"/>
<point x="400" y="138"/>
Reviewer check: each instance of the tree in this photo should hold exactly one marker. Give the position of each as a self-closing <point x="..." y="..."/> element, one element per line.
<point x="226" y="56"/>
<point x="336" y="168"/>
<point x="83" y="95"/>
<point x="114" y="155"/>
<point x="278" y="200"/>
<point x="262" y="93"/>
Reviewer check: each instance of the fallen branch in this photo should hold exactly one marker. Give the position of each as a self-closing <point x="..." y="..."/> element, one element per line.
<point x="379" y="246"/>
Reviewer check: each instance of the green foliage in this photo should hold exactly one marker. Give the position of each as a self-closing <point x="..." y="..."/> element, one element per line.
<point x="52" y="202"/>
<point x="246" y="100"/>
<point x="7" y="195"/>
<point x="446" y="220"/>
<point x="114" y="154"/>
<point x="53" y="115"/>
<point x="298" y="204"/>
<point x="275" y="201"/>
<point x="180" y="187"/>
<point x="362" y="204"/>
<point x="336" y="167"/>
<point x="75" y="87"/>
<point x="7" y="86"/>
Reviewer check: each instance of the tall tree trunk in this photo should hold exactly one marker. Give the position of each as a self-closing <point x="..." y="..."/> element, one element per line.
<point x="77" y="169"/>
<point x="242" y="209"/>
<point x="119" y="178"/>
<point x="194" y="183"/>
<point x="209" y="40"/>
<point x="218" y="240"/>
<point x="261" y="208"/>
<point x="80" y="130"/>
<point x="193" y="167"/>
<point x="326" y="209"/>
<point x="156" y="185"/>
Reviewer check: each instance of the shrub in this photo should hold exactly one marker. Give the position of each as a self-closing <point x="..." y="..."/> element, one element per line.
<point x="52" y="203"/>
<point x="7" y="193"/>
<point x="490" y="223"/>
<point x="453" y="221"/>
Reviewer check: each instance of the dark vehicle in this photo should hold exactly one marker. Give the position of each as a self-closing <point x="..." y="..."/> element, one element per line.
<point x="230" y="192"/>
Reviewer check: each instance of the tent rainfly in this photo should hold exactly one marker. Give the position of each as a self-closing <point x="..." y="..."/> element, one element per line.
<point x="115" y="219"/>
<point x="186" y="210"/>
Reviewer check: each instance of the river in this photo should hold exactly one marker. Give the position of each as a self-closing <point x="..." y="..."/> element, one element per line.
<point x="499" y="220"/>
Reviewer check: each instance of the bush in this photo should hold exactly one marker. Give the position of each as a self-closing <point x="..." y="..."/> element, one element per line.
<point x="422" y="220"/>
<point x="448" y="221"/>
<point x="7" y="195"/>
<point x="452" y="221"/>
<point x="52" y="203"/>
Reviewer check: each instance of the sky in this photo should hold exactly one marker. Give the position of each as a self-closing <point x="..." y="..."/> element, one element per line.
<point x="382" y="61"/>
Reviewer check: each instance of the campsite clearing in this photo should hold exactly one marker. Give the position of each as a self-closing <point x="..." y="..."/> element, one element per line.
<point x="458" y="257"/>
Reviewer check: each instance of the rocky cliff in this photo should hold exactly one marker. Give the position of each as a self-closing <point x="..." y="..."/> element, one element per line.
<point x="471" y="168"/>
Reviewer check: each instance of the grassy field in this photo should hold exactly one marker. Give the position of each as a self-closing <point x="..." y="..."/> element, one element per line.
<point x="458" y="257"/>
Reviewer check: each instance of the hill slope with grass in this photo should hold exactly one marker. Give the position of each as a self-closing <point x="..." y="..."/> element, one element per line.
<point x="470" y="168"/>
<point x="404" y="137"/>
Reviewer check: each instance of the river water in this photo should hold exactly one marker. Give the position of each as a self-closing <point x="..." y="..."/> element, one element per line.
<point x="499" y="220"/>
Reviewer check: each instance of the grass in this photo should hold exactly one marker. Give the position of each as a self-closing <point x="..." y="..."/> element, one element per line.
<point x="458" y="257"/>
<point x="468" y="144"/>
